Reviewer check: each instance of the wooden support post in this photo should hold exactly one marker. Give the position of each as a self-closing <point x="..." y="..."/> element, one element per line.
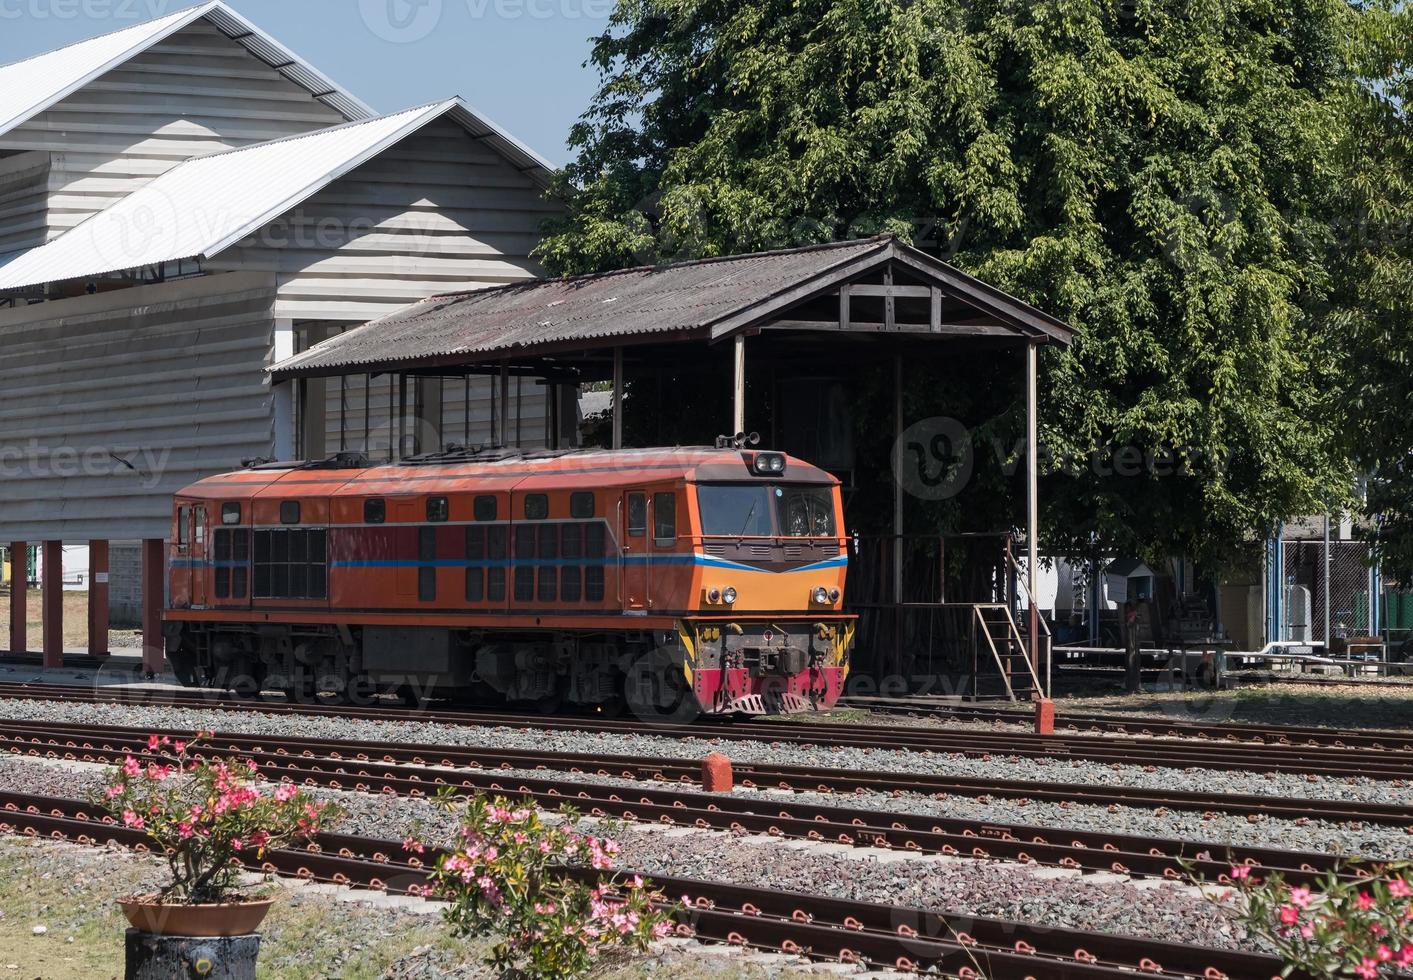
<point x="617" y="398"/>
<point x="738" y="386"/>
<point x="98" y="598"/>
<point x="505" y="405"/>
<point x="1032" y="507"/>
<point x="19" y="597"/>
<point x="154" y="597"/>
<point x="52" y="602"/>
<point x="897" y="481"/>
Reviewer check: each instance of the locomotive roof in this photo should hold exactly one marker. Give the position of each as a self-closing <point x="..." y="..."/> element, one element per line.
<point x="501" y="470"/>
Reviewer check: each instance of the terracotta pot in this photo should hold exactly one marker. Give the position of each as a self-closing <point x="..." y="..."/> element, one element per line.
<point x="148" y="914"/>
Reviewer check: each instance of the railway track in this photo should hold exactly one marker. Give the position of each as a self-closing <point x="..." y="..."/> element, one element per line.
<point x="1150" y="726"/>
<point x="823" y="928"/>
<point x="659" y="801"/>
<point x="1158" y="753"/>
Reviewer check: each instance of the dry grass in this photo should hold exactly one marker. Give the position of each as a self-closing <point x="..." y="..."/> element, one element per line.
<point x="75" y="621"/>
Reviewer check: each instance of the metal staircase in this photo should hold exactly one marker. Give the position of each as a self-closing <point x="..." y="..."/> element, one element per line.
<point x="999" y="641"/>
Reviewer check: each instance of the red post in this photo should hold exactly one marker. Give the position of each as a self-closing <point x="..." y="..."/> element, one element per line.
<point x="19" y="597"/>
<point x="716" y="773"/>
<point x="1045" y="717"/>
<point x="98" y="598"/>
<point x="154" y="597"/>
<point x="52" y="602"/>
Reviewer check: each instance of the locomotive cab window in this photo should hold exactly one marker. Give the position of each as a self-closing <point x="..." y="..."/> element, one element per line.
<point x="664" y="518"/>
<point x="581" y="504"/>
<point x="230" y="513"/>
<point x="375" y="511"/>
<point x="437" y="509"/>
<point x="183" y="523"/>
<point x="289" y="511"/>
<point x="637" y="514"/>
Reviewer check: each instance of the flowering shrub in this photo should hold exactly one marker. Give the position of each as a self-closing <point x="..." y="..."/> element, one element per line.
<point x="204" y="814"/>
<point x="506" y="875"/>
<point x="1342" y="928"/>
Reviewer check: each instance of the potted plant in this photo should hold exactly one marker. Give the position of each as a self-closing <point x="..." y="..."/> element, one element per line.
<point x="204" y="815"/>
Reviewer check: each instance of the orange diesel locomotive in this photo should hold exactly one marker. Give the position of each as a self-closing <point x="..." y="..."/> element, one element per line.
<point x="672" y="579"/>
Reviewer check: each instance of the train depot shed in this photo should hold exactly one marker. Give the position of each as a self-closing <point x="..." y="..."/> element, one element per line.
<point x="777" y="336"/>
<point x="182" y="203"/>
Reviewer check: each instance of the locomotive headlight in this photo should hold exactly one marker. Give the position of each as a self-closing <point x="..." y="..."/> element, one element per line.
<point x="770" y="463"/>
<point x="821" y="596"/>
<point x="728" y="595"/>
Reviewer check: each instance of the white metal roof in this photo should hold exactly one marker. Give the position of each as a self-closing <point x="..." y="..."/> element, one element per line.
<point x="202" y="207"/>
<point x="29" y="87"/>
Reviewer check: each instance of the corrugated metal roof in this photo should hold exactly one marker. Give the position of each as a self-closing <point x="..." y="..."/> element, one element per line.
<point x="29" y="87"/>
<point x="202" y="207"/>
<point x="690" y="299"/>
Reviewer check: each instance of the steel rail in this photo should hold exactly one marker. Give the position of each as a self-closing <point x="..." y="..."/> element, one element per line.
<point x="810" y="925"/>
<point x="984" y="840"/>
<point x="1099" y="749"/>
<point x="1150" y="726"/>
<point x="785" y="777"/>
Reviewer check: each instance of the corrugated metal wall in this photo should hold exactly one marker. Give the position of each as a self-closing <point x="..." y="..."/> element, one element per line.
<point x="194" y="93"/>
<point x="436" y="213"/>
<point x="109" y="403"/>
<point x="24" y="188"/>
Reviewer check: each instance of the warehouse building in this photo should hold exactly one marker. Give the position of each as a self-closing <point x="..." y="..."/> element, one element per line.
<point x="183" y="203"/>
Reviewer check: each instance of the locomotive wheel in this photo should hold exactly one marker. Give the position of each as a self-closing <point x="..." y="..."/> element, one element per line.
<point x="550" y="704"/>
<point x="183" y="666"/>
<point x="244" y="686"/>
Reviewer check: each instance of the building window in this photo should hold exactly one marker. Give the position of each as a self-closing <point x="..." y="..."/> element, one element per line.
<point x="230" y="513"/>
<point x="484" y="508"/>
<point x="536" y="506"/>
<point x="291" y="563"/>
<point x="437" y="509"/>
<point x="375" y="511"/>
<point x="665" y="518"/>
<point x="581" y="504"/>
<point x="289" y="511"/>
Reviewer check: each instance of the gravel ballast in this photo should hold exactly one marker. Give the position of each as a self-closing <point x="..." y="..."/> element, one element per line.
<point x="596" y="743"/>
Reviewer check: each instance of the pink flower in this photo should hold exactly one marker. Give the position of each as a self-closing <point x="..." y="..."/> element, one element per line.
<point x="286" y="792"/>
<point x="153" y="743"/>
<point x="178" y="747"/>
<point x="131" y="819"/>
<point x="1364" y="900"/>
<point x="1289" y="915"/>
<point x="184" y="830"/>
<point x="131" y="767"/>
<point x="1240" y="871"/>
<point x="1300" y="897"/>
<point x="413" y="845"/>
<point x="1405" y="955"/>
<point x="1383" y="953"/>
<point x="1398" y="888"/>
<point x="115" y="790"/>
<point x="1367" y="969"/>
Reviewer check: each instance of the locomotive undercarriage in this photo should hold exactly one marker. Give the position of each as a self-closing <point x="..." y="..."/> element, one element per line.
<point x="670" y="675"/>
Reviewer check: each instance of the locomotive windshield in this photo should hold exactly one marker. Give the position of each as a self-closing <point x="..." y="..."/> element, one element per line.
<point x="756" y="510"/>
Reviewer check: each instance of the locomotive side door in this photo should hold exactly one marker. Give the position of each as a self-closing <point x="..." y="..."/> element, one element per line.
<point x="635" y="568"/>
<point x="197" y="531"/>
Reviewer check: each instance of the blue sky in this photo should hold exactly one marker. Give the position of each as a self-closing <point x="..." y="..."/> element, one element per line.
<point x="520" y="62"/>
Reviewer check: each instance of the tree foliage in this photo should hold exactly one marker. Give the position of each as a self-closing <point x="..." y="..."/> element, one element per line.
<point x="1374" y="316"/>
<point x="1163" y="174"/>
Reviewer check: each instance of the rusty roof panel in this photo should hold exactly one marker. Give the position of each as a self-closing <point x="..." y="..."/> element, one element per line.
<point x="488" y="323"/>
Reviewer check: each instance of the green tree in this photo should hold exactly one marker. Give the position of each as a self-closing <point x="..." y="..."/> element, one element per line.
<point x="1160" y="173"/>
<point x="1374" y="318"/>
